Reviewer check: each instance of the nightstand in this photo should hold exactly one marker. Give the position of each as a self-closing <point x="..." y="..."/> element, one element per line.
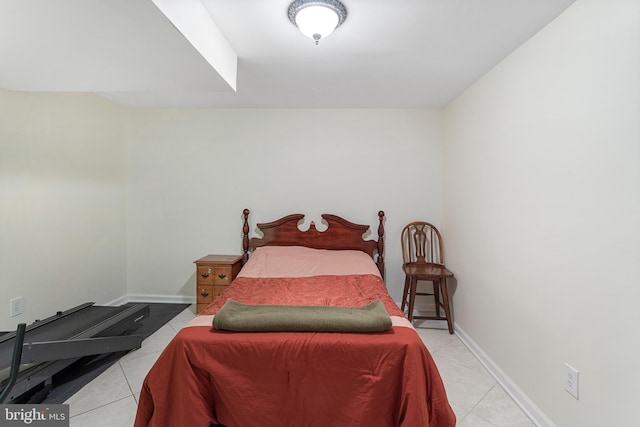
<point x="214" y="273"/>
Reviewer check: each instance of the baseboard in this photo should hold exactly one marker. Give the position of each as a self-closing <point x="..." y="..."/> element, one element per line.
<point x="165" y="299"/>
<point x="522" y="400"/>
<point x="116" y="302"/>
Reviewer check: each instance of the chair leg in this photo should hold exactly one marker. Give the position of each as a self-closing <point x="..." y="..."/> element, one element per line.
<point x="405" y="293"/>
<point x="445" y="300"/>
<point x="412" y="297"/>
<point x="436" y="296"/>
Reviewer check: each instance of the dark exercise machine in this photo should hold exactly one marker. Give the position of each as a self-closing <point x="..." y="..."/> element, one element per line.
<point x="30" y="356"/>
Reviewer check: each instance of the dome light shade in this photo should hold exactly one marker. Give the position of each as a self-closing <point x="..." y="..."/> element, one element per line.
<point x="317" y="19"/>
<point x="316" y="22"/>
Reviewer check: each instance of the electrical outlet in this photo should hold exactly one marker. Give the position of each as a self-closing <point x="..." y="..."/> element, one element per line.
<point x="572" y="376"/>
<point x="16" y="306"/>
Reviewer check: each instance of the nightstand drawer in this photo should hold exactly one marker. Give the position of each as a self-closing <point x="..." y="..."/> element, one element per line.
<point x="204" y="275"/>
<point x="205" y="294"/>
<point x="217" y="290"/>
<point x="222" y="276"/>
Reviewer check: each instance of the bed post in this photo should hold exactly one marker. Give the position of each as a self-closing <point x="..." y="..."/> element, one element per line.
<point x="245" y="236"/>
<point x="380" y="260"/>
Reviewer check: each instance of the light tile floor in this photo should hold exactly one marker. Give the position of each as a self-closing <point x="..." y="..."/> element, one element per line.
<point x="478" y="401"/>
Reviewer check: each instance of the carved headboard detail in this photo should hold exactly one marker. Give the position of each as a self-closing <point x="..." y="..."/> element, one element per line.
<point x="339" y="235"/>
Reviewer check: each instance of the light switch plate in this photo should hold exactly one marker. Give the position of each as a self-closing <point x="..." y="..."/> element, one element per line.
<point x="572" y="377"/>
<point x="16" y="306"/>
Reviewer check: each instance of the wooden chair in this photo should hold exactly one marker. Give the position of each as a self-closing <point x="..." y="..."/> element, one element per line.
<point x="423" y="259"/>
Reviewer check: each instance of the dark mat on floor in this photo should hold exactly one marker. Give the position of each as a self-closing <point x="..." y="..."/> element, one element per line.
<point x="69" y="381"/>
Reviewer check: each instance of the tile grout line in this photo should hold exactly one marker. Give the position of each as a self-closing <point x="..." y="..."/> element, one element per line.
<point x="128" y="382"/>
<point x="478" y="402"/>
<point x="102" y="406"/>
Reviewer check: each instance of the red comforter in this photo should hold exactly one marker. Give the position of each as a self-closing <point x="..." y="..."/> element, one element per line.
<point x="206" y="377"/>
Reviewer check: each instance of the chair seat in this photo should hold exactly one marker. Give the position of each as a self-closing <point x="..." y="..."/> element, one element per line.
<point x="426" y="271"/>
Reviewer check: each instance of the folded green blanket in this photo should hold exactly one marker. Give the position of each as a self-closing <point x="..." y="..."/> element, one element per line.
<point x="235" y="316"/>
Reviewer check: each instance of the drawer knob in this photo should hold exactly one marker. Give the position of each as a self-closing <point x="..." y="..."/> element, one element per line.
<point x="222" y="276"/>
<point x="204" y="275"/>
<point x="204" y="293"/>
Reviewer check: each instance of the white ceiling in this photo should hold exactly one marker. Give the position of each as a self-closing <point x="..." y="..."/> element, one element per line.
<point x="388" y="53"/>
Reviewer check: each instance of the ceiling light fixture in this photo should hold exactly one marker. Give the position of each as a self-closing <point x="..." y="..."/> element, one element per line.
<point x="317" y="19"/>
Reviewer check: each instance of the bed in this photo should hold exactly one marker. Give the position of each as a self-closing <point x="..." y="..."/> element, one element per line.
<point x="221" y="377"/>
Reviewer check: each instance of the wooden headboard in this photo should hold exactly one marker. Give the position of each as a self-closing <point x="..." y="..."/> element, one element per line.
<point x="340" y="234"/>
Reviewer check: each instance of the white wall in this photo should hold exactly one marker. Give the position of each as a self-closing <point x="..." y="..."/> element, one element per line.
<point x="192" y="172"/>
<point x="76" y="229"/>
<point x="541" y="209"/>
<point x="62" y="203"/>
